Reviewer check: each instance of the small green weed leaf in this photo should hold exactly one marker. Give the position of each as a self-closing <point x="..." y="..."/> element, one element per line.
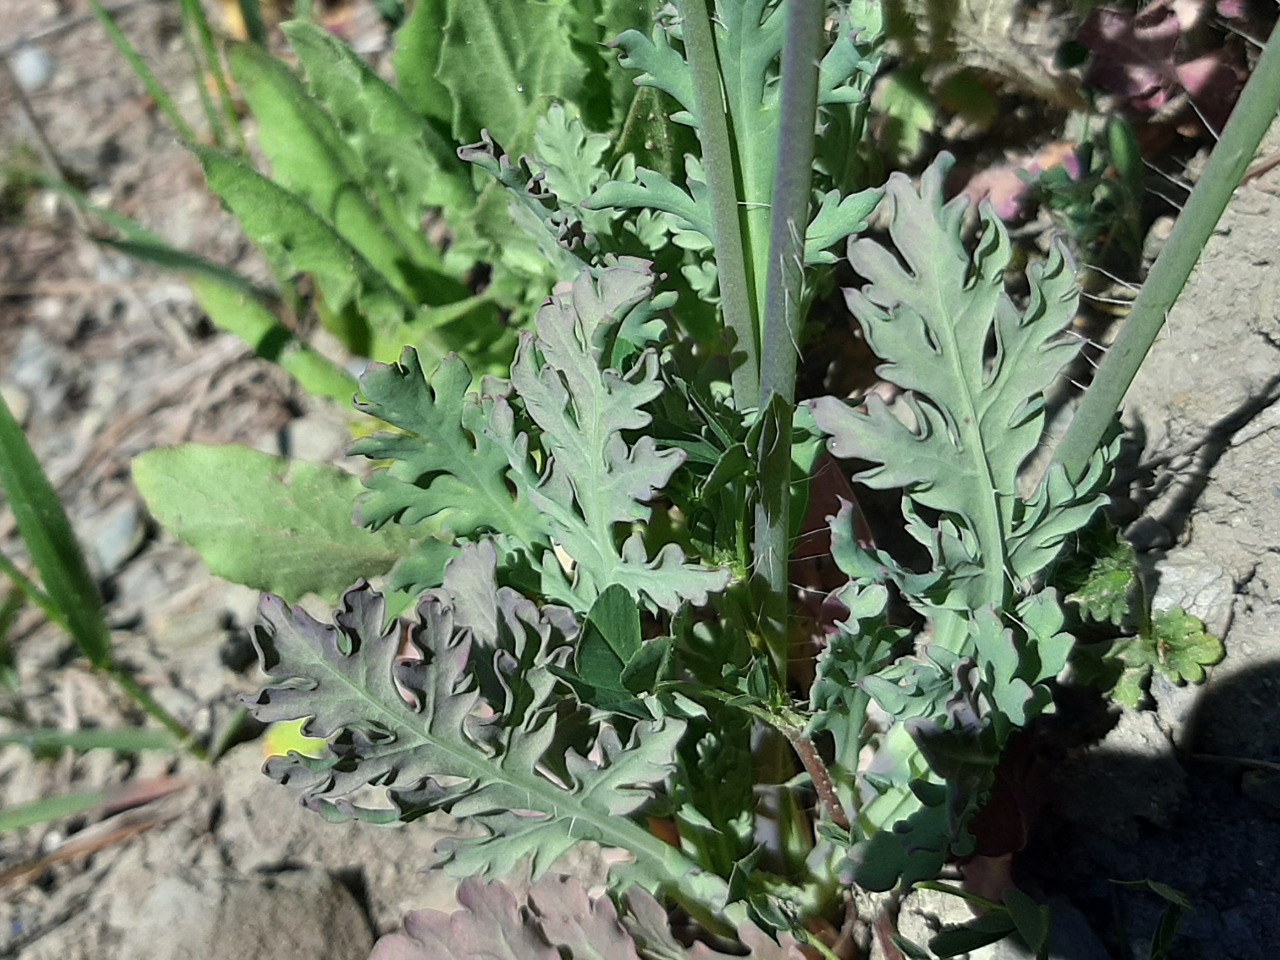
<point x="241" y="313"/>
<point x="909" y="949"/>
<point x="132" y="740"/>
<point x="1166" y="931"/>
<point x="1130" y="687"/>
<point x="610" y="663"/>
<point x="264" y="521"/>
<point x="467" y="723"/>
<point x="647" y="666"/>
<point x="1165" y="892"/>
<point x="610" y="637"/>
<point x="1031" y="919"/>
<point x="1107" y="593"/>
<point x="1183" y="647"/>
<point x="986" y="930"/>
<point x="1176" y="646"/>
<point x="44" y="528"/>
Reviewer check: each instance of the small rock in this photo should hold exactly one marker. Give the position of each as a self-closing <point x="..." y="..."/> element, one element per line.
<point x="1194" y="581"/>
<point x="33" y="68"/>
<point x="295" y="915"/>
<point x="118" y="536"/>
<point x="318" y="437"/>
<point x="19" y="403"/>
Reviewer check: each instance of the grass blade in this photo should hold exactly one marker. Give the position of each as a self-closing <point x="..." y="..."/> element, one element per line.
<point x="155" y="89"/>
<point x="46" y="531"/>
<point x="51" y="808"/>
<point x="121" y="741"/>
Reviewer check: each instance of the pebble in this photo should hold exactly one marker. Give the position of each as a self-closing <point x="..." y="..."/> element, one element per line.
<point x="19" y="403"/>
<point x="118" y="536"/>
<point x="33" y="68"/>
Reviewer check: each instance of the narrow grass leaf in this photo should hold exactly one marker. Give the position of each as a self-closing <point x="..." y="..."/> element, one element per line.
<point x="122" y="741"/>
<point x="50" y="808"/>
<point x="46" y="531"/>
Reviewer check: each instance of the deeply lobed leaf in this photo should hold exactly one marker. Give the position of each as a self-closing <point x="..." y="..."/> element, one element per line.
<point x="570" y="469"/>
<point x="453" y="710"/>
<point x="973" y="369"/>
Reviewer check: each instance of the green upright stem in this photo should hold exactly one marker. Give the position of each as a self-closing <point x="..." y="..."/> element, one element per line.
<point x="1249" y="122"/>
<point x="792" y="183"/>
<point x="737" y="298"/>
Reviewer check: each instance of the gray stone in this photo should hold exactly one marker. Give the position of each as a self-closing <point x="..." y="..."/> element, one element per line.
<point x="33" y="68"/>
<point x="220" y="915"/>
<point x="18" y="401"/>
<point x="117" y="536"/>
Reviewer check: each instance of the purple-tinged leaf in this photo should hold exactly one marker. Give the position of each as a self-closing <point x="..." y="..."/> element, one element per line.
<point x="457" y="710"/>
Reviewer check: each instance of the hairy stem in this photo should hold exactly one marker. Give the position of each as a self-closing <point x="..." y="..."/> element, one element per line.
<point x="817" y="771"/>
<point x="737" y="297"/>
<point x="792" y="182"/>
<point x="1249" y="122"/>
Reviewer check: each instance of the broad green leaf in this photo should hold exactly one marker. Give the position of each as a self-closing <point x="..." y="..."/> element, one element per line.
<point x="1032" y="920"/>
<point x="264" y="521"/>
<point x="610" y="638"/>
<point x="985" y="930"/>
<point x="471" y="728"/>
<point x="612" y="666"/>
<point x="417" y="61"/>
<point x="44" y="528"/>
<point x="380" y="125"/>
<point x="501" y="62"/>
<point x="311" y="158"/>
<point x="288" y="230"/>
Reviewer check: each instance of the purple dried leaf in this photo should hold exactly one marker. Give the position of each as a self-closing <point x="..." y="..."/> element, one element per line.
<point x="1133" y="53"/>
<point x="490" y="924"/>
